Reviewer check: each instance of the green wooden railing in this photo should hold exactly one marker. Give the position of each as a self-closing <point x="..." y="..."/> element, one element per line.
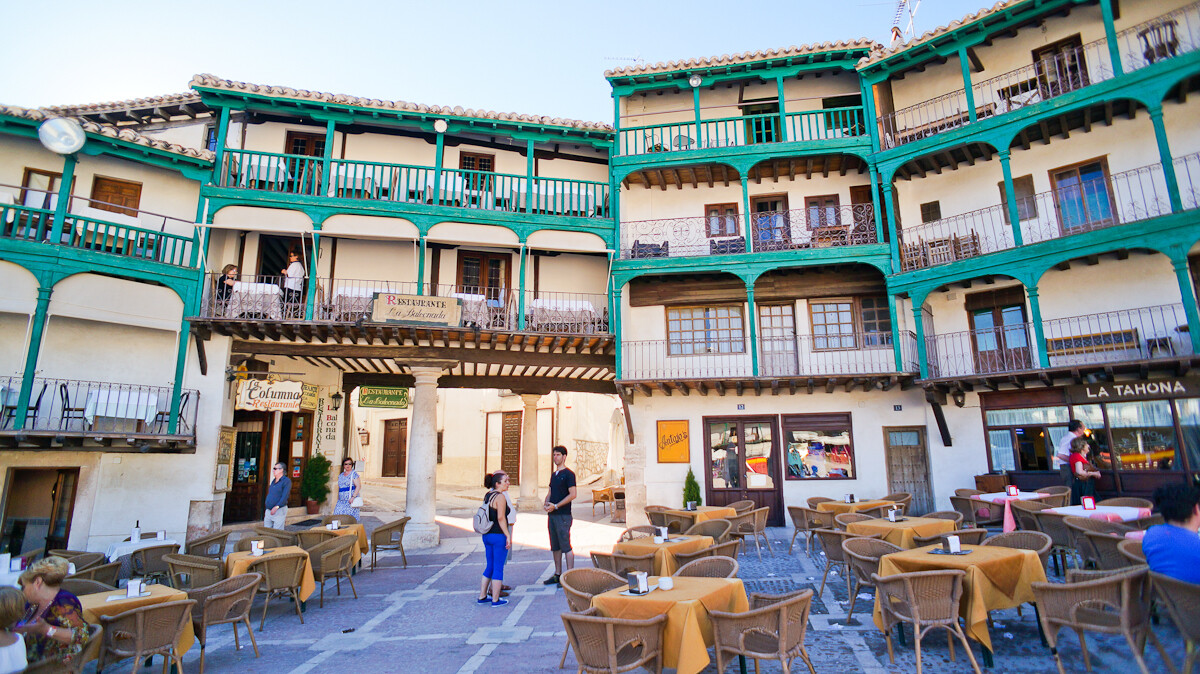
<point x="809" y="125"/>
<point x="37" y="224"/>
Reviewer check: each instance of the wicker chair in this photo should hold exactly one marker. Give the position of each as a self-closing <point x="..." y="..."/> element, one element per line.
<point x="342" y="520"/>
<point x="614" y="644"/>
<point x="1126" y="501"/>
<point x="862" y="555"/>
<point x="104" y="573"/>
<point x="86" y="560"/>
<point x="29" y="557"/>
<point x="212" y="545"/>
<point x="68" y="555"/>
<point x="1099" y="601"/>
<point x="952" y="515"/>
<point x="1108" y="557"/>
<point x="965" y="536"/>
<point x="623" y="564"/>
<point x="773" y="629"/>
<point x="190" y="571"/>
<point x="709" y="567"/>
<point x="286" y="537"/>
<point x="579" y="586"/>
<point x="654" y="513"/>
<point x="752" y="524"/>
<point x="900" y="497"/>
<point x="604" y="562"/>
<point x="389" y="537"/>
<point x="640" y="531"/>
<point x="977" y="513"/>
<point x="717" y="529"/>
<point x="728" y="549"/>
<point x="1182" y="600"/>
<point x="928" y="600"/>
<point x="1079" y="526"/>
<point x="282" y="574"/>
<point x="334" y="559"/>
<point x="1056" y="499"/>
<point x="844" y="519"/>
<point x="149" y="563"/>
<point x="831" y="545"/>
<point x="145" y="631"/>
<point x="314" y="537"/>
<point x="82" y="586"/>
<point x="225" y="602"/>
<point x="967" y="493"/>
<point x="1052" y="524"/>
<point x="1024" y="540"/>
<point x="1144" y="523"/>
<point x="879" y="512"/>
<point x="1055" y="489"/>
<point x="814" y="519"/>
<point x="1023" y="513"/>
<point x="814" y="501"/>
<point x="269" y="542"/>
<point x="676" y="523"/>
<point x="1132" y="550"/>
<point x="742" y="506"/>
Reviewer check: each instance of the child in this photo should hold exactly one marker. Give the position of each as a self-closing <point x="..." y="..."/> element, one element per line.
<point x="12" y="645"/>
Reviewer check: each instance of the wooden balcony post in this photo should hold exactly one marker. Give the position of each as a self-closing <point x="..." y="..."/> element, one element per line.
<point x="181" y="352"/>
<point x="749" y="221"/>
<point x="521" y="290"/>
<point x="421" y="266"/>
<point x="65" y="187"/>
<point x="782" y="135"/>
<point x="1110" y="36"/>
<point x="311" y="281"/>
<point x="696" y="107"/>
<point x="1184" y="277"/>
<point x="870" y="119"/>
<point x="1165" y="158"/>
<point x="529" y="176"/>
<point x="1010" y="196"/>
<point x="437" y="168"/>
<point x="897" y="348"/>
<point x="965" y="63"/>
<point x="1039" y="331"/>
<point x="893" y="234"/>
<point x="753" y="320"/>
<point x="222" y="136"/>
<point x="36" y="329"/>
<point x="326" y="158"/>
<point x="919" y="329"/>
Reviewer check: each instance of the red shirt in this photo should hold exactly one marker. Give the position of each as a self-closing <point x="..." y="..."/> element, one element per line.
<point x="1077" y="458"/>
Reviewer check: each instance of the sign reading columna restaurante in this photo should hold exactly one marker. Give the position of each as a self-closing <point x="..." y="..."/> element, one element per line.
<point x="416" y="309"/>
<point x="269" y="396"/>
<point x="390" y="397"/>
<point x="1140" y="389"/>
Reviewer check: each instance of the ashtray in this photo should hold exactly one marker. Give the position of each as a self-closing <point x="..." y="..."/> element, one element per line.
<point x="898" y="519"/>
<point x="940" y="551"/>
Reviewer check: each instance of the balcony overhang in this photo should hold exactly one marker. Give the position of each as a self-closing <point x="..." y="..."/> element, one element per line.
<point x="1066" y="375"/>
<point x="92" y="441"/>
<point x="773" y="385"/>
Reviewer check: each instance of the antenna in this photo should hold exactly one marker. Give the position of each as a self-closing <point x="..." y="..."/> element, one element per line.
<point x="636" y="60"/>
<point x="900" y="36"/>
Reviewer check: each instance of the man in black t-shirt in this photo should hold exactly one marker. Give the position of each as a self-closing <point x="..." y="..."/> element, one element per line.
<point x="558" y="510"/>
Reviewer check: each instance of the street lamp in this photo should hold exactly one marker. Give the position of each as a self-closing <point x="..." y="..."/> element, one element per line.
<point x="335" y="401"/>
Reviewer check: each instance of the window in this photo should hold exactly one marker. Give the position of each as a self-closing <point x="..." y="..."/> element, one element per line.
<point x="1143" y="435"/>
<point x="1026" y="202"/>
<point x="118" y="196"/>
<point x="1082" y="196"/>
<point x="694" y="330"/>
<point x="483" y="274"/>
<point x="763" y="118"/>
<point x="306" y="144"/>
<point x="819" y="446"/>
<point x="722" y="220"/>
<point x="833" y="324"/>
<point x="822" y="211"/>
<point x="876" y="321"/>
<point x="1030" y="431"/>
<point x="931" y="211"/>
<point x="483" y="164"/>
<point x="210" y="137"/>
<point x="39" y="189"/>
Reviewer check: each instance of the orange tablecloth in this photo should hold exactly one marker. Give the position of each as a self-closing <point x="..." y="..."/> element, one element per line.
<point x="996" y="578"/>
<point x="237" y="563"/>
<point x="347" y="530"/>
<point x="688" y="634"/>
<point x="901" y="533"/>
<point x="664" y="553"/>
<point x="839" y="507"/>
<point x="705" y="513"/>
<point x="96" y="605"/>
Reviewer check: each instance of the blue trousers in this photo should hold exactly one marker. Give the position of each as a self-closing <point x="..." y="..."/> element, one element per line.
<point x="496" y="554"/>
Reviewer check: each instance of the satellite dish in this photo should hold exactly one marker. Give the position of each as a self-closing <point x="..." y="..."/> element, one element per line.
<point x="61" y="135"/>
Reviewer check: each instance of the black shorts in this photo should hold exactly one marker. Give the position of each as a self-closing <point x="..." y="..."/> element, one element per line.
<point x="560" y="532"/>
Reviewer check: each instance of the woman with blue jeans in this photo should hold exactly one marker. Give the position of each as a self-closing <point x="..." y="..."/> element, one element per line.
<point x="497" y="540"/>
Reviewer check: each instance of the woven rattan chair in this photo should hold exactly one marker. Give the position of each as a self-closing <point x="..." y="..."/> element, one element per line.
<point x="1079" y="526"/>
<point x="225" y="602"/>
<point x="145" y="631"/>
<point x="212" y="545"/>
<point x="269" y="542"/>
<point x="965" y="536"/>
<point x="314" y="537"/>
<point x="709" y="567"/>
<point x="389" y="537"/>
<point x="752" y="524"/>
<point x="928" y="600"/>
<point x="728" y="549"/>
<point x="1182" y="600"/>
<point x="1132" y="550"/>
<point x="1144" y="523"/>
<point x="1052" y="524"/>
<point x="30" y="557"/>
<point x="814" y="501"/>
<point x="796" y="514"/>
<point x="68" y="555"/>
<point x="1108" y="557"/>
<point x="952" y="515"/>
<point x="614" y="644"/>
<point x="342" y="520"/>
<point x="287" y="537"/>
<point x="579" y="586"/>
<point x="717" y="529"/>
<point x="85" y="560"/>
<point x="844" y="519"/>
<point x="190" y="571"/>
<point x="149" y="563"/>
<point x="977" y="513"/>
<point x="1055" y="489"/>
<point x="334" y="559"/>
<point x="742" y="506"/>
<point x="624" y="564"/>
<point x="603" y="561"/>
<point x="677" y="523"/>
<point x="813" y="520"/>
<point x="1056" y="499"/>
<point x="1126" y="501"/>
<point x="640" y="531"/>
<point x="862" y="555"/>
<point x="1023" y="513"/>
<point x="283" y="573"/>
<point x="1024" y="540"/>
<point x="82" y="586"/>
<point x="1107" y="602"/>
<point x="899" y="497"/>
<point x="967" y="493"/>
<point x="654" y="513"/>
<point x="879" y="512"/>
<point x="103" y="573"/>
<point x="831" y="545"/>
<point x="773" y="629"/>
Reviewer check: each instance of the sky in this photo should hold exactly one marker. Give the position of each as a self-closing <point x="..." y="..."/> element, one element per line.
<point x="543" y="58"/>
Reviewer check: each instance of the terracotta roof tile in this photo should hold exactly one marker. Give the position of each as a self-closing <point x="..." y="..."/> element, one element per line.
<point x="213" y="82"/>
<point x="126" y="135"/>
<point x="745" y="57"/>
<point x="190" y="97"/>
<point x="882" y="52"/>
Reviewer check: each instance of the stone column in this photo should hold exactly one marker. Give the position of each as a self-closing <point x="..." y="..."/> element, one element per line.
<point x="421" y="492"/>
<point x="529" y="500"/>
<point x="635" y="482"/>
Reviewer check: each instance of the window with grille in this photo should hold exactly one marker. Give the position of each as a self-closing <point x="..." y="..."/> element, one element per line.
<point x="822" y="211"/>
<point x="876" y="321"/>
<point x="483" y="163"/>
<point x="931" y="211"/>
<point x="695" y="330"/>
<point x="721" y="219"/>
<point x="833" y="324"/>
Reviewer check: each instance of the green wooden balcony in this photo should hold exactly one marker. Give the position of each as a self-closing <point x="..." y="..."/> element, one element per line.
<point x="809" y="125"/>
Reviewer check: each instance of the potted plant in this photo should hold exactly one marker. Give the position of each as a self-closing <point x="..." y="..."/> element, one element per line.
<point x="314" y="482"/>
<point x="691" y="489"/>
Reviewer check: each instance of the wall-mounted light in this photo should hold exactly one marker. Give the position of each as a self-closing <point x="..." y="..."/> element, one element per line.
<point x="61" y="135"/>
<point x="695" y="81"/>
<point x="959" y="397"/>
<point x="440" y="125"/>
<point x="335" y="401"/>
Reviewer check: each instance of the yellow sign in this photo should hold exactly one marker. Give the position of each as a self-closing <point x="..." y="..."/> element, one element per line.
<point x="308" y="396"/>
<point x="674" y="443"/>
<point x="416" y="309"/>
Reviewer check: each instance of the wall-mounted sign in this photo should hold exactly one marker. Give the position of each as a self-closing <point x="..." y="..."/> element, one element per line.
<point x="269" y="396"/>
<point x="226" y="443"/>
<point x="416" y="309"/>
<point x="308" y="397"/>
<point x="390" y="397"/>
<point x="1142" y="389"/>
<point x="674" y="444"/>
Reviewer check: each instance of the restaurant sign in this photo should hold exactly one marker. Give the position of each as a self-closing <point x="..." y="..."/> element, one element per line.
<point x="269" y="396"/>
<point x="416" y="309"/>
<point x="1144" y="389"/>
<point x="390" y="397"/>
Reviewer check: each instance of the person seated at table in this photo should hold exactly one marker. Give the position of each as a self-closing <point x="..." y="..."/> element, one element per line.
<point x="1173" y="549"/>
<point x="229" y="276"/>
<point x="53" y="626"/>
<point x="12" y="646"/>
<point x="1085" y="474"/>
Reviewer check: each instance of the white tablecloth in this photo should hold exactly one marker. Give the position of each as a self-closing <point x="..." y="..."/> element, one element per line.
<point x="1001" y="497"/>
<point x="546" y="312"/>
<point x="139" y="405"/>
<point x="352" y="178"/>
<point x="9" y="579"/>
<point x="123" y="548"/>
<point x="350" y="301"/>
<point x="556" y="197"/>
<point x="262" y="168"/>
<point x="1126" y="513"/>
<point x="474" y="309"/>
<point x="255" y="298"/>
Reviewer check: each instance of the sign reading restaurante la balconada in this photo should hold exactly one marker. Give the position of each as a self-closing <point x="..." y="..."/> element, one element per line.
<point x="416" y="309"/>
<point x="390" y="397"/>
<point x="269" y="396"/>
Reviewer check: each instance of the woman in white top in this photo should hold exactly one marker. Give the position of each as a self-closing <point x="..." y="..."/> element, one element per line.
<point x="293" y="285"/>
<point x="12" y="645"/>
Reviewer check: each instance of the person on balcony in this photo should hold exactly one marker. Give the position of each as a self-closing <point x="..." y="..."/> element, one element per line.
<point x="229" y="276"/>
<point x="293" y="285"/>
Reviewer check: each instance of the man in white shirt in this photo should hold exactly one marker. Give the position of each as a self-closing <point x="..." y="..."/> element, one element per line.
<point x="1062" y="453"/>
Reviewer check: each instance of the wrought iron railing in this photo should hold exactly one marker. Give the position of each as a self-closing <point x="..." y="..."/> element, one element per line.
<point x="1164" y="36"/>
<point x="72" y="406"/>
<point x="808" y="125"/>
<point x="574" y="313"/>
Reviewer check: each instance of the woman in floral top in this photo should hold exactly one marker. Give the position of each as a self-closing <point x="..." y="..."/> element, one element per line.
<point x="53" y="626"/>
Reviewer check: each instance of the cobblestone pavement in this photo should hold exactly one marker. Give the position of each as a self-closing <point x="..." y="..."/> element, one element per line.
<point x="424" y="618"/>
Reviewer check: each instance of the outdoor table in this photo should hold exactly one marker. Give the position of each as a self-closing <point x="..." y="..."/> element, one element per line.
<point x="349" y="302"/>
<point x="353" y="179"/>
<point x="141" y="407"/>
<point x="474" y="309"/>
<point x="1010" y="522"/>
<point x="547" y="312"/>
<point x="705" y="513"/>
<point x="265" y="299"/>
<point x="237" y="563"/>
<point x="125" y="548"/>
<point x="839" y="507"/>
<point x="664" y="553"/>
<point x="902" y="533"/>
<point x="351" y="529"/>
<point x="997" y="578"/>
<point x="688" y="634"/>
<point x="10" y="578"/>
<point x="1107" y="513"/>
<point x="263" y="168"/>
<point x="96" y="605"/>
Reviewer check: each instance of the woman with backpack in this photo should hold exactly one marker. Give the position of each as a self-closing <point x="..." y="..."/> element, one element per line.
<point x="496" y="540"/>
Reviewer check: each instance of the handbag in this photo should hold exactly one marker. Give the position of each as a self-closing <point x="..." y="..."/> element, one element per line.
<point x="357" y="502"/>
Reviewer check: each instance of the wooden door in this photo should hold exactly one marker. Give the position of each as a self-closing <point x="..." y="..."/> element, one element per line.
<point x="1001" y="340"/>
<point x="118" y="196"/>
<point x="294" y="449"/>
<point x="742" y="463"/>
<point x="251" y="469"/>
<point x="1061" y="67"/>
<point x="772" y="229"/>
<point x="908" y="466"/>
<point x="305" y="173"/>
<point x="863" y="211"/>
<point x="395" y="447"/>
<point x="510" y="445"/>
<point x="63" y="496"/>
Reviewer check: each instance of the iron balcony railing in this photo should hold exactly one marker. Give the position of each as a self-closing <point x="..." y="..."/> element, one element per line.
<point x="82" y="407"/>
<point x="809" y="125"/>
<point x="826" y="227"/>
<point x="1165" y="36"/>
<point x="778" y="356"/>
<point x="1125" y="197"/>
<point x="89" y="225"/>
<point x="1109" y="337"/>
<point x="382" y="181"/>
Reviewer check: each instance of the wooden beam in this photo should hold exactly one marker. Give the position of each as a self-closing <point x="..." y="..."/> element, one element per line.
<point x="475" y="355"/>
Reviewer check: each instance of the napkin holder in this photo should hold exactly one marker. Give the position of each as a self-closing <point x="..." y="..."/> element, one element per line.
<point x="332" y="526"/>
<point x="658" y="540"/>
<point x="892" y="515"/>
<point x="256" y="548"/>
<point x="664" y="533"/>
<point x="638" y="582"/>
<point x="1088" y="502"/>
<point x="133" y="588"/>
<point x="848" y="498"/>
<point x="1011" y="490"/>
<point x="136" y="535"/>
<point x="161" y="535"/>
<point x="691" y="506"/>
<point x="952" y="545"/>
<point x="6" y="561"/>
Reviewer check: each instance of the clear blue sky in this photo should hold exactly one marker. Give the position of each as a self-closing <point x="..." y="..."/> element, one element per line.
<point x="543" y="58"/>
